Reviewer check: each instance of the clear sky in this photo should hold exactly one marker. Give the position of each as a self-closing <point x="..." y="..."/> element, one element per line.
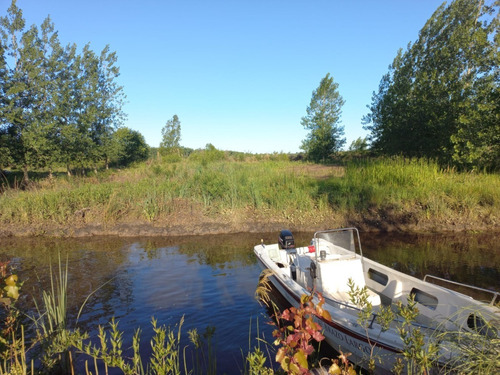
<point x="239" y="74"/>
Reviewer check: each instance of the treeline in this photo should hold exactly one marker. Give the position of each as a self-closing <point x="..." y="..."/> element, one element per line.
<point x="58" y="105"/>
<point x="441" y="96"/>
<point x="62" y="106"/>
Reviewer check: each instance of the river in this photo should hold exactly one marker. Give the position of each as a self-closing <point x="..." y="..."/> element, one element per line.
<point x="211" y="280"/>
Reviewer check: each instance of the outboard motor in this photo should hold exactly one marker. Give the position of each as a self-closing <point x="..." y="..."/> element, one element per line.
<point x="286" y="240"/>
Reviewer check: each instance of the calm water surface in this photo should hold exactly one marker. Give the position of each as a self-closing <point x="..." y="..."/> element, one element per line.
<point x="211" y="280"/>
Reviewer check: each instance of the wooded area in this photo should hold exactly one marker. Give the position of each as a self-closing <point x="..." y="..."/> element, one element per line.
<point x="59" y="106"/>
<point x="441" y="97"/>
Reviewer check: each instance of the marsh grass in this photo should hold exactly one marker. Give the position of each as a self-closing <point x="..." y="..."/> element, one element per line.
<point x="479" y="346"/>
<point x="17" y="363"/>
<point x="54" y="339"/>
<point x="405" y="191"/>
<point x="417" y="190"/>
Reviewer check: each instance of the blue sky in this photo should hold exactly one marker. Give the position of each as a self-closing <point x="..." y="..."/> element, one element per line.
<point x="239" y="74"/>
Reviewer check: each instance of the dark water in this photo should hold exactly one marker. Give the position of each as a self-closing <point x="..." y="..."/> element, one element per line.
<point x="211" y="280"/>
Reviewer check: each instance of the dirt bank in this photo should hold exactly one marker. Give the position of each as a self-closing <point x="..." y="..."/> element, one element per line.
<point x="372" y="222"/>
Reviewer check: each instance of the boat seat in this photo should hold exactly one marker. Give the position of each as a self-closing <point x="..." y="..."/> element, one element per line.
<point x="334" y="276"/>
<point x="274" y="253"/>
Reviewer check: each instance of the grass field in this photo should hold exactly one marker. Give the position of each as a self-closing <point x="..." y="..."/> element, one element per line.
<point x="212" y="187"/>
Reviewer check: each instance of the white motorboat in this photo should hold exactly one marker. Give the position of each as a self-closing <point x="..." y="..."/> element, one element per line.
<point x="334" y="259"/>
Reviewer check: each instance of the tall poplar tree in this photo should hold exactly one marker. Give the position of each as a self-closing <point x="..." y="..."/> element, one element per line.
<point x="171" y="135"/>
<point x="323" y="121"/>
<point x="440" y="97"/>
<point x="58" y="106"/>
<point x="5" y="158"/>
<point x="28" y="95"/>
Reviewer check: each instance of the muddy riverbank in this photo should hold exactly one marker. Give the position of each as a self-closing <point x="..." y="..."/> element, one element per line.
<point x="380" y="222"/>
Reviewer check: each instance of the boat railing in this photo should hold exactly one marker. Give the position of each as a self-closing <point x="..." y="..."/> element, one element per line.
<point x="467" y="286"/>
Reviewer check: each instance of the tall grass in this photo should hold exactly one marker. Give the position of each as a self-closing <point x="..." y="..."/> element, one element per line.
<point x="54" y="337"/>
<point x="416" y="187"/>
<point x="278" y="190"/>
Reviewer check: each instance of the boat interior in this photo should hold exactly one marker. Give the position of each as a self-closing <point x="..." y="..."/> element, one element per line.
<point x="335" y="257"/>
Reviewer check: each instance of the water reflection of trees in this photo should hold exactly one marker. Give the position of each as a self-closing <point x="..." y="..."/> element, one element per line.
<point x="232" y="250"/>
<point x="223" y="251"/>
<point x="467" y="258"/>
<point x="92" y="267"/>
<point x="102" y="264"/>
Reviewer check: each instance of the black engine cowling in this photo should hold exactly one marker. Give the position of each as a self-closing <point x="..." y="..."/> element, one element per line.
<point x="286" y="240"/>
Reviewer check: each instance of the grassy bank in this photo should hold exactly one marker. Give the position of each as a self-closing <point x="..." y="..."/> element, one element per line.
<point x="213" y="188"/>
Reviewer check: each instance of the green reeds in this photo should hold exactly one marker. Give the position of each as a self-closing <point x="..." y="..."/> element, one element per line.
<point x="478" y="345"/>
<point x="17" y="363"/>
<point x="396" y="190"/>
<point x="54" y="318"/>
<point x="53" y="336"/>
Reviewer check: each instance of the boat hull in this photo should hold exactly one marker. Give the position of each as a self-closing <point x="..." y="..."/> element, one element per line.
<point x="334" y="266"/>
<point x="360" y="347"/>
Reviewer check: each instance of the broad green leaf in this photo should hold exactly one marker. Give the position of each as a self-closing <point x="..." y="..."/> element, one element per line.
<point x="11" y="280"/>
<point x="301" y="358"/>
<point x="12" y="291"/>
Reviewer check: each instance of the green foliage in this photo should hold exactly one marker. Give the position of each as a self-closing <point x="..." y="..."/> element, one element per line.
<point x="167" y="356"/>
<point x="397" y="190"/>
<point x="294" y="337"/>
<point x="359" y="297"/>
<point x="256" y="362"/>
<point x="418" y="354"/>
<point x="204" y="351"/>
<point x="128" y="146"/>
<point x="415" y="190"/>
<point x="323" y="121"/>
<point x="53" y="334"/>
<point x="209" y="155"/>
<point x="479" y="349"/>
<point x="151" y="207"/>
<point x="440" y="98"/>
<point x="111" y="352"/>
<point x="9" y="294"/>
<point x="171" y="135"/>
<point x="359" y="145"/>
<point x="56" y="106"/>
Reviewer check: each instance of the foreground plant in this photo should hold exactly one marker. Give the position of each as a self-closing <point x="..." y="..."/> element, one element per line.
<point x="420" y="355"/>
<point x="359" y="297"/>
<point x="295" y="336"/>
<point x="342" y="366"/>
<point x="204" y="351"/>
<point x="479" y="348"/>
<point x="12" y="344"/>
<point x="165" y="345"/>
<point x="54" y="339"/>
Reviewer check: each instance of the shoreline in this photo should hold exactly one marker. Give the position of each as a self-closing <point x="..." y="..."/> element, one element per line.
<point x="215" y="227"/>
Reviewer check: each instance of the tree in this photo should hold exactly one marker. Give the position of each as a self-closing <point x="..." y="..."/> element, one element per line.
<point x="359" y="145"/>
<point x="5" y="158"/>
<point x="323" y="121"/>
<point x="56" y="106"/>
<point x="440" y="97"/>
<point x="171" y="135"/>
<point x="128" y="146"/>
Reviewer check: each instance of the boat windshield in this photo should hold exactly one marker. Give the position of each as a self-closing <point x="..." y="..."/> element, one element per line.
<point x="346" y="238"/>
